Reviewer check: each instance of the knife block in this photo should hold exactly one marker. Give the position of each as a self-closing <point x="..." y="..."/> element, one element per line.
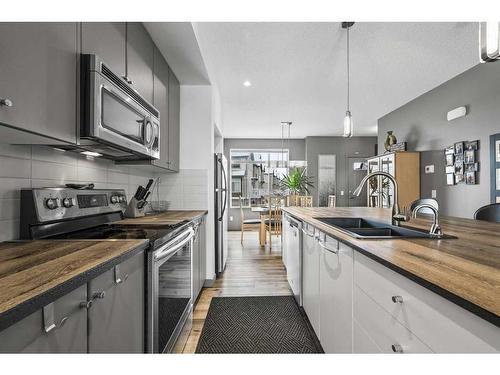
<point x="132" y="210"/>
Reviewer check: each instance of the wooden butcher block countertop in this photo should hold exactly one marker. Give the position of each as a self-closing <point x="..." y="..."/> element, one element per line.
<point x="465" y="270"/>
<point x="167" y="217"/>
<point x="35" y="273"/>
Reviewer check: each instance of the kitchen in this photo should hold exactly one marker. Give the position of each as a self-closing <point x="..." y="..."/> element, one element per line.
<point x="249" y="187"/>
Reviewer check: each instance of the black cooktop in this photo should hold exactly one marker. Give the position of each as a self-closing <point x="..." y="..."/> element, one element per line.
<point x="117" y="232"/>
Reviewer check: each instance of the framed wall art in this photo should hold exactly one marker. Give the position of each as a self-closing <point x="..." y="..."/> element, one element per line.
<point x="461" y="162"/>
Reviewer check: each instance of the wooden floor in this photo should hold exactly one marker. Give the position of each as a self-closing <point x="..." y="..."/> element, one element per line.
<point x="250" y="271"/>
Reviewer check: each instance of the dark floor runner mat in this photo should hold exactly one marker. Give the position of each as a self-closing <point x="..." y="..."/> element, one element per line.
<point x="257" y="325"/>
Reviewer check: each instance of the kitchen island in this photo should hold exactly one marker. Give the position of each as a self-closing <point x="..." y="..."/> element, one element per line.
<point x="463" y="272"/>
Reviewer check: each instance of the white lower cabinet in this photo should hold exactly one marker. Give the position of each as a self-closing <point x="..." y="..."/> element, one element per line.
<point x="336" y="272"/>
<point x="383" y="329"/>
<point x="362" y="343"/>
<point x="355" y="304"/>
<point x="442" y="325"/>
<point x="310" y="277"/>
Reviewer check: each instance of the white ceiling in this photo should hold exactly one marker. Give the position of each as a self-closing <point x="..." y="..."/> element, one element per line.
<point x="298" y="71"/>
<point x="178" y="44"/>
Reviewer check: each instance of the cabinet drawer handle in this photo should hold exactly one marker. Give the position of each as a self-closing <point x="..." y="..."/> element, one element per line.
<point x="307" y="233"/>
<point x="323" y="245"/>
<point x="128" y="80"/>
<point x="86" y="305"/>
<point x="48" y="319"/>
<point x="397" y="299"/>
<point x="99" y="295"/>
<point x="6" y="102"/>
<point x="396" y="348"/>
<point x="118" y="279"/>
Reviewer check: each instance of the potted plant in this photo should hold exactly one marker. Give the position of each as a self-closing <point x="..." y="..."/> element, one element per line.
<point x="295" y="183"/>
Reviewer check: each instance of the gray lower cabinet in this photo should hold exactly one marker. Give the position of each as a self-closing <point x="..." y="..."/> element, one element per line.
<point x="38" y="79"/>
<point x="174" y="107"/>
<point x="199" y="257"/>
<point x="106" y="40"/>
<point x="116" y="317"/>
<point x="140" y="59"/>
<point x="310" y="278"/>
<point x="336" y="275"/>
<point x="68" y="335"/>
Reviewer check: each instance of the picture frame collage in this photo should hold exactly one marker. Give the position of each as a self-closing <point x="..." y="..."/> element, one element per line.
<point x="461" y="163"/>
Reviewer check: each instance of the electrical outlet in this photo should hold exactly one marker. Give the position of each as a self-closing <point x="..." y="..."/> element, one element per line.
<point x="230" y="218"/>
<point x="434" y="194"/>
<point x="341" y="192"/>
<point x="429" y="169"/>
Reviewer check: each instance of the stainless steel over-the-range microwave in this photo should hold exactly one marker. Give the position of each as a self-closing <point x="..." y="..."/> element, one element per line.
<point x="115" y="120"/>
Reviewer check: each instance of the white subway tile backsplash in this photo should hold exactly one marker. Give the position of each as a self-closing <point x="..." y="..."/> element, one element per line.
<point x="16" y="151"/>
<point x="52" y="155"/>
<point x="10" y="187"/>
<point x="87" y="175"/>
<point x="38" y="166"/>
<point x="9" y="229"/>
<point x="52" y="171"/>
<point x="9" y="209"/>
<point x="14" y="167"/>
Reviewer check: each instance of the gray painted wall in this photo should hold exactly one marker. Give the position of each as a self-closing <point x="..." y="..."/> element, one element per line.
<point x="422" y="123"/>
<point x="297" y="152"/>
<point x="342" y="148"/>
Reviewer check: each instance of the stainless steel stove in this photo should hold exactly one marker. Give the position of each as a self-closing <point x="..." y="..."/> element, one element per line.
<point x="61" y="213"/>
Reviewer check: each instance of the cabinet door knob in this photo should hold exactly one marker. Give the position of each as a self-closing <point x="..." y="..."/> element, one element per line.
<point x="396" y="348"/>
<point x="397" y="299"/>
<point x="99" y="295"/>
<point x="6" y="102"/>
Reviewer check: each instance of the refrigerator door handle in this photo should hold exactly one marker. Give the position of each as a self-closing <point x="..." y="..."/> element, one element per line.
<point x="224" y="190"/>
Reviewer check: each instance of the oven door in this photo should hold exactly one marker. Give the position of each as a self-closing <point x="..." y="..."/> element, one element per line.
<point x="171" y="291"/>
<point x="121" y="121"/>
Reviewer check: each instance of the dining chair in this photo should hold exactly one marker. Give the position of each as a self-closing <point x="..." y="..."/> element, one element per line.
<point x="247" y="224"/>
<point x="490" y="212"/>
<point x="305" y="201"/>
<point x="332" y="201"/>
<point x="273" y="222"/>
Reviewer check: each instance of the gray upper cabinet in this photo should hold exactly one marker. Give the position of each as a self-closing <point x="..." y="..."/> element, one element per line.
<point x="68" y="335"/>
<point x="174" y="102"/>
<point x="38" y="78"/>
<point x="116" y="317"/>
<point x="106" y="40"/>
<point x="160" y="86"/>
<point x="140" y="59"/>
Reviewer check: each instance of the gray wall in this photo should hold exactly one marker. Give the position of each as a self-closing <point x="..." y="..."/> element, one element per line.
<point x="422" y="123"/>
<point x="342" y="148"/>
<point x="297" y="152"/>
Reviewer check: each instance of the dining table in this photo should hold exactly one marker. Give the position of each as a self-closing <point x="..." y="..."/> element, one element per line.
<point x="264" y="214"/>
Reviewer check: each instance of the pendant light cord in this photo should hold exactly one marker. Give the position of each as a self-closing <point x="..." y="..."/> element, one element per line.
<point x="348" y="72"/>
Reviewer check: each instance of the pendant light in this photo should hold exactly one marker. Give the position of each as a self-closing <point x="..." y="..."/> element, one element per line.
<point x="285" y="128"/>
<point x="348" y="123"/>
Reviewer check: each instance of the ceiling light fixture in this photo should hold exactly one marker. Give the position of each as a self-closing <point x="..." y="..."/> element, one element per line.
<point x="247" y="83"/>
<point x="489" y="41"/>
<point x="91" y="153"/>
<point x="348" y="123"/>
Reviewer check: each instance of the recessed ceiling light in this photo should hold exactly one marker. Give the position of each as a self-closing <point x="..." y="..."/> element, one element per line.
<point x="91" y="153"/>
<point x="247" y="83"/>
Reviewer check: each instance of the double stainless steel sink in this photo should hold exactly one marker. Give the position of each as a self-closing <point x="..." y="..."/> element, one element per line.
<point x="369" y="229"/>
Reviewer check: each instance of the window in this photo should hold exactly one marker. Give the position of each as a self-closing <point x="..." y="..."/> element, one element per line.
<point x="256" y="174"/>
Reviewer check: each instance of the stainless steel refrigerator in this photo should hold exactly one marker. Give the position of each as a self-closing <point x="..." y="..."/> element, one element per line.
<point x="221" y="198"/>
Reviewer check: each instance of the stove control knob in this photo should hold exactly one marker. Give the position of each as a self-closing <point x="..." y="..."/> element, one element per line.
<point x="115" y="198"/>
<point x="123" y="199"/>
<point x="51" y="203"/>
<point x="68" y="202"/>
